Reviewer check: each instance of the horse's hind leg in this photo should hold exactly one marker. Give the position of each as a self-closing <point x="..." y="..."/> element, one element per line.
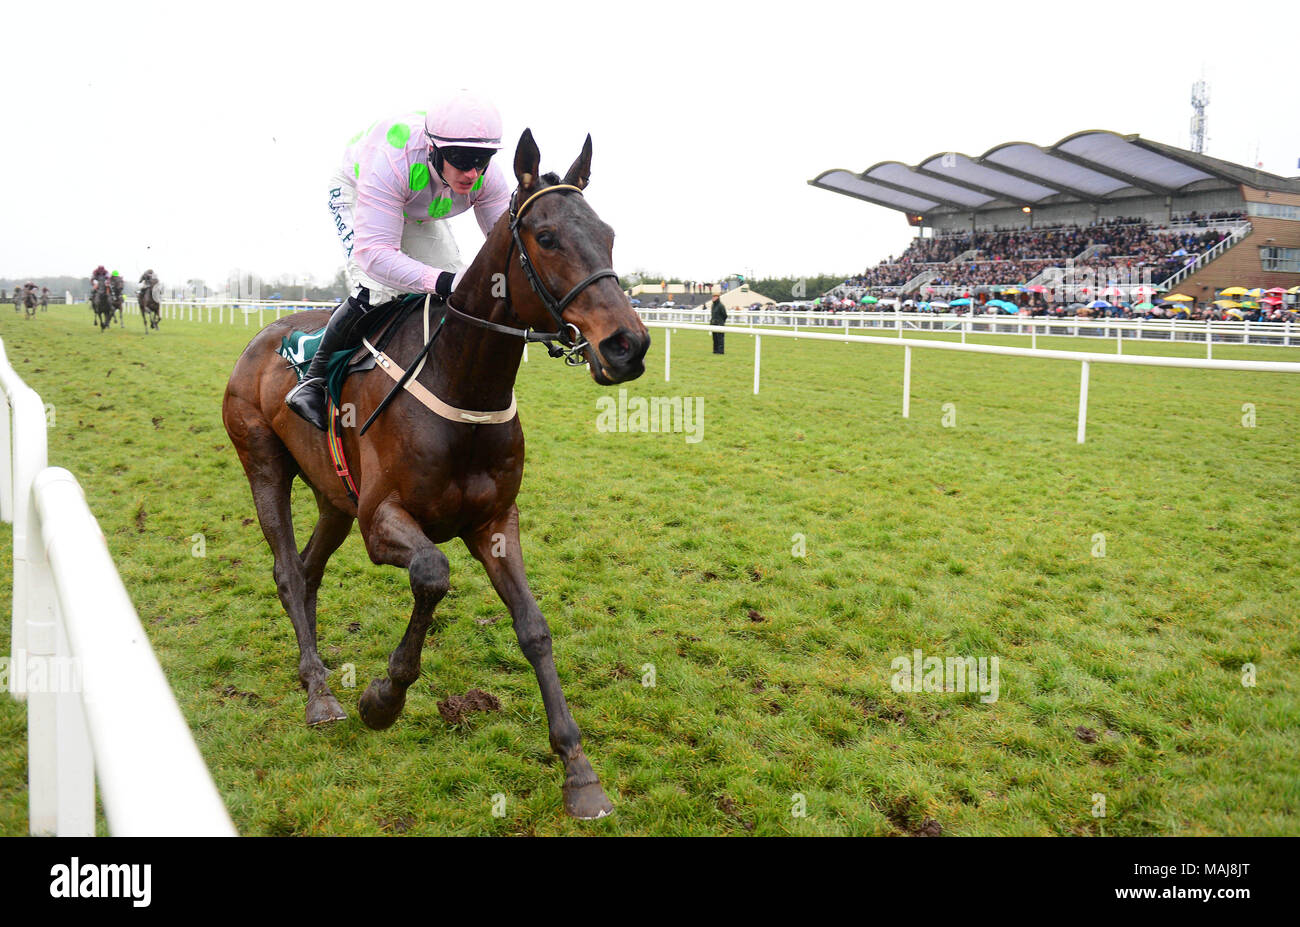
<point x="496" y="545"/>
<point x="332" y="529"/>
<point x="393" y="537"/>
<point x="270" y="470"/>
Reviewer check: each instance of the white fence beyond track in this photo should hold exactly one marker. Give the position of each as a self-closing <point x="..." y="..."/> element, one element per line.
<point x="818" y="325"/>
<point x="98" y="704"/>
<point x="1086" y="358"/>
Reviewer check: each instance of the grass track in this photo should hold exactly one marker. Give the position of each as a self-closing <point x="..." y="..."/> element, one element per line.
<point x="644" y="549"/>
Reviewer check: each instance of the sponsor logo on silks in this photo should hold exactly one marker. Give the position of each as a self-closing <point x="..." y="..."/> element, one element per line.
<point x="336" y="207"/>
<point x="298" y="348"/>
<point x="106" y="880"/>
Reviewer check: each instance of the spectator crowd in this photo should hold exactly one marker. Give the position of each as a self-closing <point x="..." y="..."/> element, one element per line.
<point x="1004" y="257"/>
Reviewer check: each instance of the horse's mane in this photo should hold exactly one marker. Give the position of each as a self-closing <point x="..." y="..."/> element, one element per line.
<point x="551" y="178"/>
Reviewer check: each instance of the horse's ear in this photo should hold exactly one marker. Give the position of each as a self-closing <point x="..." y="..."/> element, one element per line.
<point x="527" y="159"/>
<point x="580" y="174"/>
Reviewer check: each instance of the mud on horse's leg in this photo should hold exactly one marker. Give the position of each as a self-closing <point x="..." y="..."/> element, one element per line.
<point x="393" y="537"/>
<point x="497" y="547"/>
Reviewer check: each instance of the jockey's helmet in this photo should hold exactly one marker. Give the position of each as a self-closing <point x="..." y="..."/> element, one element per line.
<point x="459" y="121"/>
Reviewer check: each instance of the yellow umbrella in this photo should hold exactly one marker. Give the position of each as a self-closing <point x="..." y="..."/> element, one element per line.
<point x="1233" y="291"/>
<point x="1010" y="291"/>
<point x="1179" y="298"/>
<point x="1294" y="290"/>
<point x="1227" y="304"/>
<point x="1258" y="291"/>
<point x="1234" y="313"/>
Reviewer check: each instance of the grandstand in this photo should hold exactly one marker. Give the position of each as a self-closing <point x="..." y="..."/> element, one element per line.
<point x="1094" y="210"/>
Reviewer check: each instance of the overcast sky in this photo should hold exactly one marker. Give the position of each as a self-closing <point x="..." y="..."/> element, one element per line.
<point x="199" y="138"/>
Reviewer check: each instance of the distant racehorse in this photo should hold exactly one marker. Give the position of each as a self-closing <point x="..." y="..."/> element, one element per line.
<point x="115" y="299"/>
<point x="101" y="304"/>
<point x="29" y="303"/>
<point x="149" y="308"/>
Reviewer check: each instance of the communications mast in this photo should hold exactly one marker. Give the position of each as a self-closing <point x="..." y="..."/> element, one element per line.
<point x="1200" y="100"/>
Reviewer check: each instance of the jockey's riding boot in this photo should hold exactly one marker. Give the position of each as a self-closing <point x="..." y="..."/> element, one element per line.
<point x="309" y="398"/>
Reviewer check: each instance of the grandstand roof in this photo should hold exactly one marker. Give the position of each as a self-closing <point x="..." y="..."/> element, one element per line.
<point x="1096" y="166"/>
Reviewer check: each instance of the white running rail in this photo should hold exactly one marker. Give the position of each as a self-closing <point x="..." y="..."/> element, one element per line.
<point x="98" y="705"/>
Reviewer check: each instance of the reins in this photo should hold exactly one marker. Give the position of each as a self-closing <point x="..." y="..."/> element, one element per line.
<point x="570" y="348"/>
<point x="573" y="347"/>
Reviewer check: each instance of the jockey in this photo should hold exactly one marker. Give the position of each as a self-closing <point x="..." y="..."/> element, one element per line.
<point x="115" y="283"/>
<point x="396" y="182"/>
<point x="148" y="280"/>
<point x="98" y="278"/>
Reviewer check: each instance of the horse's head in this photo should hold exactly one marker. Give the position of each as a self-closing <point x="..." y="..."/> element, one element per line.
<point x="570" y="252"/>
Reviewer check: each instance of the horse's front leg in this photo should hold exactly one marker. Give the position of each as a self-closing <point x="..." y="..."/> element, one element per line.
<point x="393" y="537"/>
<point x="496" y="545"/>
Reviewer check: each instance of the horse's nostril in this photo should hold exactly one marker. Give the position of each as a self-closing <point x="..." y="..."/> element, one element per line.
<point x="622" y="345"/>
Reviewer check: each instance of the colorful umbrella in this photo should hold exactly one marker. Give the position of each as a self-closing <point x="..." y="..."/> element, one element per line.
<point x="1276" y="291"/>
<point x="1293" y="291"/>
<point x="1233" y="291"/>
<point x="1227" y="304"/>
<point x="1180" y="298"/>
<point x="1144" y="306"/>
<point x="960" y="302"/>
<point x="1099" y="304"/>
<point x="1257" y="291"/>
<point x="869" y="300"/>
<point x="1271" y="301"/>
<point x="1036" y="289"/>
<point x="1234" y="314"/>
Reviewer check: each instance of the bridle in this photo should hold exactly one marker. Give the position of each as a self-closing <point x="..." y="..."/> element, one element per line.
<point x="573" y="347"/>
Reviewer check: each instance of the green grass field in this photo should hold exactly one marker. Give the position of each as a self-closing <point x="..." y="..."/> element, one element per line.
<point x="1120" y="675"/>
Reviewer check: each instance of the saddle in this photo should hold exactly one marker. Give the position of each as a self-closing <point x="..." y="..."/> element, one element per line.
<point x="299" y="347"/>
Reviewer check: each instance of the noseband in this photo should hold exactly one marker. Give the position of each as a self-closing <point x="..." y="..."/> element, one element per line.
<point x="573" y="347"/>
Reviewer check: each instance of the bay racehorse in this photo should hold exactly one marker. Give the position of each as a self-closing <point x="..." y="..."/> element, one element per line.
<point x="423" y="478"/>
<point x="149" y="308"/>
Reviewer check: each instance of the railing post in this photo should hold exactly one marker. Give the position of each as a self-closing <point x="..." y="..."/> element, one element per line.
<point x="1083" y="403"/>
<point x="1209" y="340"/>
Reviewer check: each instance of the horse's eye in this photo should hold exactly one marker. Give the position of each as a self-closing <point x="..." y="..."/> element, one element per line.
<point x="547" y="240"/>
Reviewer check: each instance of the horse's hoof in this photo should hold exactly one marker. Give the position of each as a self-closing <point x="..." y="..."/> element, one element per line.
<point x="324" y="709"/>
<point x="380" y="704"/>
<point x="587" y="802"/>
